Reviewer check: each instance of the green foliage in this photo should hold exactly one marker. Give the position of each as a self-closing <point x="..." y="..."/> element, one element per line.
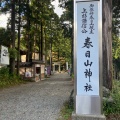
<point x="67" y="108"/>
<point x="66" y="111"/>
<point x="13" y="53"/>
<point x="116" y="51"/>
<point x="68" y="6"/>
<point x="7" y="79"/>
<point x="4" y="72"/>
<point x="116" y="47"/>
<point x="5" y="35"/>
<point x="40" y="28"/>
<point x="113" y="107"/>
<point x="63" y="47"/>
<point x="116" y="16"/>
<point x="115" y="31"/>
<point x="72" y="76"/>
<point x="66" y="21"/>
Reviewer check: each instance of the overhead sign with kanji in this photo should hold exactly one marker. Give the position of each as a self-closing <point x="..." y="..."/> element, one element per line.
<point x="4" y="55"/>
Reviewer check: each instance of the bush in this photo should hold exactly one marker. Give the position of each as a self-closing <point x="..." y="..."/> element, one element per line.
<point x="66" y="111"/>
<point x="113" y="107"/>
<point x="7" y="79"/>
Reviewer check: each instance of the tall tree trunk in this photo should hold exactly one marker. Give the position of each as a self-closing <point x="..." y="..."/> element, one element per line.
<point x="107" y="43"/>
<point x="41" y="58"/>
<point x="28" y="55"/>
<point x="12" y="60"/>
<point x="39" y="47"/>
<point x="45" y="48"/>
<point x="72" y="53"/>
<point x="18" y="57"/>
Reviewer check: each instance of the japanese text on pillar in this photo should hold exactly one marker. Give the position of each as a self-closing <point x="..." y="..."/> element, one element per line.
<point x="88" y="43"/>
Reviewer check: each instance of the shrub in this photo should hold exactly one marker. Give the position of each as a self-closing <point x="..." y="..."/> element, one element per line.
<point x="7" y="79"/>
<point x="113" y="107"/>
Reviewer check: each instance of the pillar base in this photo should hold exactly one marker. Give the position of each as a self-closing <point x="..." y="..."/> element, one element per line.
<point x="87" y="117"/>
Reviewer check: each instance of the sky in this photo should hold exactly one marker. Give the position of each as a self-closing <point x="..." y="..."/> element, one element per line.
<point x="3" y="20"/>
<point x="57" y="10"/>
<point x="3" y="17"/>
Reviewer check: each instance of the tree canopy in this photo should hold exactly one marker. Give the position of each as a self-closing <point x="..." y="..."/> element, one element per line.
<point x="34" y="27"/>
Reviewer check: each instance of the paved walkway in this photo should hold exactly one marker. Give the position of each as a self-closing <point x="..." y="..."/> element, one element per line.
<point x="36" y="101"/>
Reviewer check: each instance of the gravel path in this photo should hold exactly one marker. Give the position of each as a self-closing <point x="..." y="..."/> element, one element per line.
<point x="36" y="101"/>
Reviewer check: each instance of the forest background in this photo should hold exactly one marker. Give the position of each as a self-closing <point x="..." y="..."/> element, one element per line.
<point x="33" y="26"/>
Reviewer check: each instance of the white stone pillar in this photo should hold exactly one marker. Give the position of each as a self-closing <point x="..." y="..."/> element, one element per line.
<point x="88" y="59"/>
